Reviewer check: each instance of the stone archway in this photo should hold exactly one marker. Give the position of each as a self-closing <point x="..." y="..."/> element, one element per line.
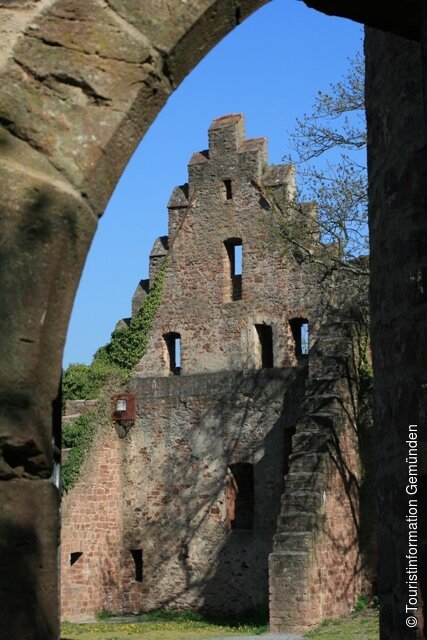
<point x="80" y="85"/>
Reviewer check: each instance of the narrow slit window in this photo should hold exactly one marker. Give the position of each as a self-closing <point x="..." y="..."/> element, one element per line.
<point x="228" y="190"/>
<point x="138" y="563"/>
<point x="74" y="556"/>
<point x="304" y="339"/>
<point x="265" y="346"/>
<point x="238" y="259"/>
<point x="235" y="256"/>
<point x="300" y="334"/>
<point x="173" y="344"/>
<point x="240" y="488"/>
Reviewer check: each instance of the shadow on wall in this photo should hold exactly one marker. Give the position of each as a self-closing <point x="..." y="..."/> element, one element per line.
<point x="238" y="581"/>
<point x="194" y="557"/>
<point x="22" y="606"/>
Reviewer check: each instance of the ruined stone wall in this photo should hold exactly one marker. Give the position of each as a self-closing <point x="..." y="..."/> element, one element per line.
<point x="92" y="526"/>
<point x="161" y="491"/>
<point x="178" y="541"/>
<point x="217" y="332"/>
<point x="188" y="433"/>
<point x="317" y="568"/>
<point x="398" y="226"/>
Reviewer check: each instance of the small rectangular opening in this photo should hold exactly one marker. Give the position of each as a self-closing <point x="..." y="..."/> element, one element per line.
<point x="300" y="334"/>
<point x="234" y="248"/>
<point x="74" y="556"/>
<point x="240" y="489"/>
<point x="173" y="343"/>
<point x="137" y="560"/>
<point x="228" y="190"/>
<point x="238" y="259"/>
<point x="304" y="339"/>
<point x="265" y="337"/>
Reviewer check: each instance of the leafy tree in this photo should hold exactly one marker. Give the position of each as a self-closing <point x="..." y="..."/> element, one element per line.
<point x="330" y="156"/>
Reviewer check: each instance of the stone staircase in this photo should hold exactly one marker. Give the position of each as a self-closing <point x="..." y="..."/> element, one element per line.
<point x="296" y="561"/>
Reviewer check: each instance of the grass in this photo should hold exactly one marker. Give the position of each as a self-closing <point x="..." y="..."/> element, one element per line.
<point x="161" y="625"/>
<point x="176" y="625"/>
<point x="362" y="625"/>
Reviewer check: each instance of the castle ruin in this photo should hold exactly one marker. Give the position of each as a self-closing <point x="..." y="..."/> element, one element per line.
<point x="238" y="482"/>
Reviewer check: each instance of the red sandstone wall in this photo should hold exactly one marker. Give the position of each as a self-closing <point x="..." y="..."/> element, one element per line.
<point x="91" y="524"/>
<point x="315" y="567"/>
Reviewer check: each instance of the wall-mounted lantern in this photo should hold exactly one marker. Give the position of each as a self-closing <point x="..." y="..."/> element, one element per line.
<point x="124" y="409"/>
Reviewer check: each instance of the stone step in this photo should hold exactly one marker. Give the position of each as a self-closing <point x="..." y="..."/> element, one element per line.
<point x="301" y="541"/>
<point x="303" y="481"/>
<point x="316" y="386"/>
<point x="310" y="441"/>
<point x="296" y="521"/>
<point x="305" y="501"/>
<point x="328" y="368"/>
<point x="307" y="462"/>
<point x="322" y="403"/>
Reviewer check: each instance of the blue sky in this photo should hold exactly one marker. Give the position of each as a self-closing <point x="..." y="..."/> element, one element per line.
<point x="269" y="68"/>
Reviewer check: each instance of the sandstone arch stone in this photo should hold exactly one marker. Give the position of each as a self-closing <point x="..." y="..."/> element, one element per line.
<point x="81" y="83"/>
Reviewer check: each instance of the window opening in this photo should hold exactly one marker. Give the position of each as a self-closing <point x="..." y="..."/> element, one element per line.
<point x="228" y="190"/>
<point x="138" y="562"/>
<point x="238" y="258"/>
<point x="74" y="556"/>
<point x="173" y="343"/>
<point x="240" y="496"/>
<point x="235" y="255"/>
<point x="300" y="333"/>
<point x="265" y="337"/>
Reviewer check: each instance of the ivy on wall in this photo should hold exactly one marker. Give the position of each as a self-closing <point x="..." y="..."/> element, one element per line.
<point x="77" y="435"/>
<point x="129" y="344"/>
<point x="116" y="359"/>
<point x="110" y="368"/>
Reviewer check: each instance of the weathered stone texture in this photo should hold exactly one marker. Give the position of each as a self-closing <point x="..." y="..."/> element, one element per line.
<point x="218" y="333"/>
<point x="28" y="555"/>
<point x="397" y="205"/>
<point x="80" y="85"/>
<point x="230" y="404"/>
<point x="187" y="434"/>
<point x="318" y="561"/>
<point x="92" y="526"/>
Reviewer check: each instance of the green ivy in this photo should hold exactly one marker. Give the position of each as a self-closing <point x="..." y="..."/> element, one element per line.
<point x="84" y="381"/>
<point x="77" y="435"/>
<point x="116" y="359"/>
<point x="111" y="364"/>
<point x="129" y="344"/>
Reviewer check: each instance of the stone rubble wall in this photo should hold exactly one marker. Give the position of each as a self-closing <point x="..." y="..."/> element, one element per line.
<point x="316" y="565"/>
<point x="92" y="525"/>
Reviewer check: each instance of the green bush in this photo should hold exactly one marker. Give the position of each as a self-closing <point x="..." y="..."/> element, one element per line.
<point x="361" y="603"/>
